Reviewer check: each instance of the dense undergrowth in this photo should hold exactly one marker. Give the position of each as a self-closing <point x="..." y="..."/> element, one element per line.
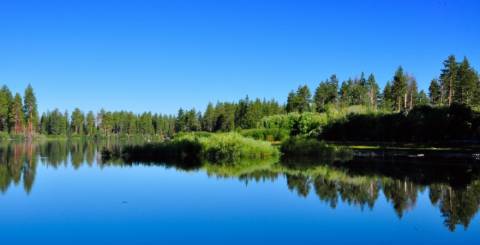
<point x="219" y="147"/>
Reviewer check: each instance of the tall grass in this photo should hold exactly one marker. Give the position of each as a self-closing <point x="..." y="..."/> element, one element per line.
<point x="219" y="147"/>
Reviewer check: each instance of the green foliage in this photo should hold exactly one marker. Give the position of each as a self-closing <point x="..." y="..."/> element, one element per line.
<point x="458" y="83"/>
<point x="299" y="101"/>
<point x="54" y="123"/>
<point x="326" y="93"/>
<point x="16" y="116"/>
<point x="187" y="121"/>
<point x="421" y="124"/>
<point x="309" y="123"/>
<point x="267" y="134"/>
<point x="245" y="114"/>
<point x="219" y="147"/>
<point x="77" y="122"/>
<point x="399" y="89"/>
<point x="30" y="110"/>
<point x="90" y="127"/>
<point x="4" y="136"/>
<point x="435" y="92"/>
<point x="5" y="102"/>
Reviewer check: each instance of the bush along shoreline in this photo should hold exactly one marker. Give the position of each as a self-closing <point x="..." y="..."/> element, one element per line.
<point x="215" y="148"/>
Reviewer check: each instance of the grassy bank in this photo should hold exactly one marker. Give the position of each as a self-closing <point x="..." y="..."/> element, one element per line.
<point x="219" y="147"/>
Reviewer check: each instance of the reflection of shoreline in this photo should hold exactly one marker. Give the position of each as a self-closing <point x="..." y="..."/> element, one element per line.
<point x="455" y="189"/>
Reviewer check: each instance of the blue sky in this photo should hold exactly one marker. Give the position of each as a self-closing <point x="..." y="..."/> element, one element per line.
<point x="161" y="55"/>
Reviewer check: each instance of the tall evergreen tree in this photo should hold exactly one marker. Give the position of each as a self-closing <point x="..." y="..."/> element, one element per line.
<point x="412" y="92"/>
<point x="399" y="89"/>
<point x="326" y="93"/>
<point x="373" y="90"/>
<point x="291" y="102"/>
<point x="303" y="99"/>
<point x="90" y="127"/>
<point x="388" y="97"/>
<point x="30" y="110"/>
<point x="466" y="85"/>
<point x="16" y="115"/>
<point x="448" y="79"/>
<point x="435" y="92"/>
<point x="77" y="121"/>
<point x="5" y="101"/>
<point x="208" y="120"/>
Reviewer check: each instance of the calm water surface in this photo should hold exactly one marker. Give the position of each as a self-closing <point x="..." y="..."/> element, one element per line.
<point x="61" y="193"/>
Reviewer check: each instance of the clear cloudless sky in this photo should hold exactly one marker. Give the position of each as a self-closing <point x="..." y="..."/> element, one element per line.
<point x="161" y="55"/>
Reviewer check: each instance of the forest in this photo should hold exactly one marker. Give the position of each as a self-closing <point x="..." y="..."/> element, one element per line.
<point x="355" y="109"/>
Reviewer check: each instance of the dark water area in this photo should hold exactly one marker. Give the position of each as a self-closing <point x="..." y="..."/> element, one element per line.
<point x="60" y="192"/>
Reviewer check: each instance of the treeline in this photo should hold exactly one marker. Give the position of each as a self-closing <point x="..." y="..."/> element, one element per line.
<point x="227" y="116"/>
<point x="457" y="83"/>
<point x="456" y="123"/>
<point x="106" y="123"/>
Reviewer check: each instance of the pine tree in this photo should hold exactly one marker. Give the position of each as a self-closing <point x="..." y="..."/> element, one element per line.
<point x="5" y="101"/>
<point x="291" y="102"/>
<point x="399" y="89"/>
<point x="77" y="121"/>
<point x="412" y="92"/>
<point x="16" y="115"/>
<point x="303" y="99"/>
<point x="90" y="128"/>
<point x="30" y="110"/>
<point x="388" y="97"/>
<point x="208" y="120"/>
<point x="448" y="79"/>
<point x="44" y="123"/>
<point x="373" y="91"/>
<point x="435" y="92"/>
<point x="326" y="93"/>
<point x="466" y="85"/>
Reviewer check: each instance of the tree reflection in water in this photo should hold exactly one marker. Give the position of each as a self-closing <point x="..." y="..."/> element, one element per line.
<point x="453" y="188"/>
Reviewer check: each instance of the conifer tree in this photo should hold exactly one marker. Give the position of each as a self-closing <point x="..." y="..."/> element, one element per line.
<point x="388" y="97"/>
<point x="399" y="89"/>
<point x="373" y="90"/>
<point x="16" y="115"/>
<point x="77" y="121"/>
<point x="5" y="101"/>
<point x="466" y="84"/>
<point x="448" y="79"/>
<point x="30" y="110"/>
<point x="303" y="99"/>
<point x="412" y="92"/>
<point x="291" y="102"/>
<point x="326" y="93"/>
<point x="90" y="127"/>
<point x="435" y="92"/>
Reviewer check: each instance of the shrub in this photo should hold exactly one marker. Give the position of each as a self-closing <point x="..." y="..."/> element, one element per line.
<point x="296" y="123"/>
<point x="421" y="124"/>
<point x="219" y="147"/>
<point x="268" y="134"/>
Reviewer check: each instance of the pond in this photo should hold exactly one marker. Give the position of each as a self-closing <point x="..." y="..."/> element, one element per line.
<point x="61" y="192"/>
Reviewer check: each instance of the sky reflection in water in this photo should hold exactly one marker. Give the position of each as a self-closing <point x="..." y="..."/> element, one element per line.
<point x="64" y="192"/>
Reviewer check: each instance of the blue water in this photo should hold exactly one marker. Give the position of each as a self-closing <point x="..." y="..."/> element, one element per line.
<point x="95" y="203"/>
